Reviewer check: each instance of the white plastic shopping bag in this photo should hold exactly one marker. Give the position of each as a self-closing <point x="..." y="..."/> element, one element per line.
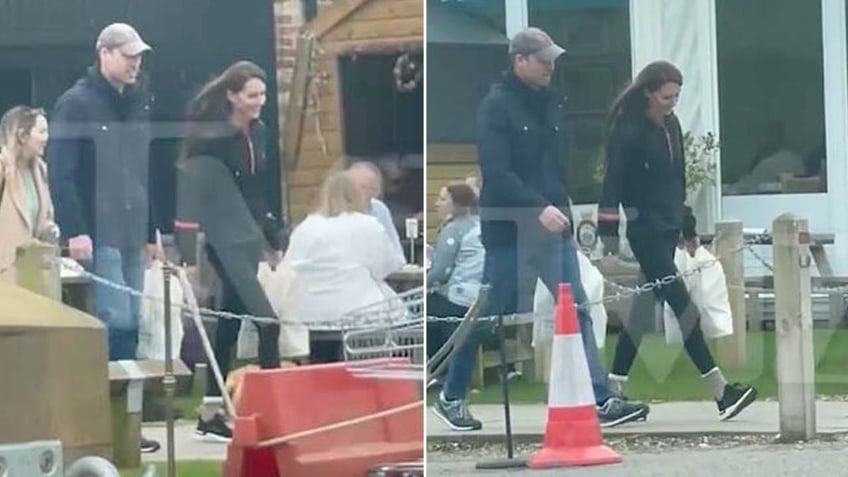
<point x="151" y="330"/>
<point x="708" y="291"/>
<point x="544" y="302"/>
<point x="280" y="286"/>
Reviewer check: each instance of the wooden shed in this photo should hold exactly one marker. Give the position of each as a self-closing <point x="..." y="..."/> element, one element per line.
<point x="346" y="104"/>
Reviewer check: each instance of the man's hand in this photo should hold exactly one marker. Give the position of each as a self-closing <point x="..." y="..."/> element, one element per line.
<point x="553" y="219"/>
<point x="80" y="248"/>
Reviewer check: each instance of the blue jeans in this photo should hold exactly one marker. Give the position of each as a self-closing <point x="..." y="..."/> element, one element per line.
<point x="512" y="275"/>
<point x="118" y="310"/>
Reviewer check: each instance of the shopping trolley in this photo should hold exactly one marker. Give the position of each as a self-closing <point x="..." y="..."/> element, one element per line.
<point x="386" y="339"/>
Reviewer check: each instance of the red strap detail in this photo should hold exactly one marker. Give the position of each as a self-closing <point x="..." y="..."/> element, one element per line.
<point x="178" y="224"/>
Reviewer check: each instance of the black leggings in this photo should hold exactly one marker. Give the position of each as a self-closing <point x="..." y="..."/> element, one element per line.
<point x="241" y="294"/>
<point x="655" y="253"/>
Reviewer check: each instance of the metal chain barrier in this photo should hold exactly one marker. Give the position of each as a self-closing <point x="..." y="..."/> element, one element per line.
<point x="210" y="315"/>
<point x="623" y="292"/>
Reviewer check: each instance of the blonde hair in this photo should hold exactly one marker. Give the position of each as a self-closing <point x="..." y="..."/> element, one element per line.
<point x="474" y="183"/>
<point x="17" y="121"/>
<point x="340" y="195"/>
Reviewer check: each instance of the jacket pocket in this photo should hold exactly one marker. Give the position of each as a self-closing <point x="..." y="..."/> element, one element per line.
<point x="527" y="143"/>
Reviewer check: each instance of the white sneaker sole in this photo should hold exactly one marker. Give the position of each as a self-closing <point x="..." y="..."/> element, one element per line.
<point x="450" y="424"/>
<point x="737" y="407"/>
<point x="210" y="437"/>
<point x="640" y="415"/>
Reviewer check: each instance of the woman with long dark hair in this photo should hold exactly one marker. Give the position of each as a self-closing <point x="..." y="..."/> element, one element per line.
<point x="224" y="190"/>
<point x="646" y="175"/>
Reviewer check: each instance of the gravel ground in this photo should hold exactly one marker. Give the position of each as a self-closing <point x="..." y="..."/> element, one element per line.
<point x="756" y="455"/>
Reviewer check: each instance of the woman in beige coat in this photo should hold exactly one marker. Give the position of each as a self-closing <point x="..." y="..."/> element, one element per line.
<point x="26" y="211"/>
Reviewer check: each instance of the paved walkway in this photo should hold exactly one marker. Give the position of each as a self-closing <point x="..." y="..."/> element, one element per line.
<point x="674" y="418"/>
<point x="186" y="446"/>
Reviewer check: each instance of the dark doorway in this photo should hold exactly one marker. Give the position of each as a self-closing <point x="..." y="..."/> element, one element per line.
<point x="378" y="118"/>
<point x="15" y="88"/>
<point x="384" y="124"/>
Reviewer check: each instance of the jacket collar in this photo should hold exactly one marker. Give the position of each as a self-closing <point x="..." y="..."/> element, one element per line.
<point x="512" y="82"/>
<point x="131" y="93"/>
<point x="14" y="194"/>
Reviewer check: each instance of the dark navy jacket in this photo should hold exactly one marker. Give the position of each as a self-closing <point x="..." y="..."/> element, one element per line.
<point x="646" y="174"/>
<point x="98" y="159"/>
<point x="519" y="135"/>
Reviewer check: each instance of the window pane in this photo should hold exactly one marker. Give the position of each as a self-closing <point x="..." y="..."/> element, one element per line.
<point x="596" y="35"/>
<point x="771" y="96"/>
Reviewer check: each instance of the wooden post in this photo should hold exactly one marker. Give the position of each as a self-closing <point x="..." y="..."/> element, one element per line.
<point x="126" y="423"/>
<point x="729" y="239"/>
<point x="37" y="269"/>
<point x="794" y="328"/>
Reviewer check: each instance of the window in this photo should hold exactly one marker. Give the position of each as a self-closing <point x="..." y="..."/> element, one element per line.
<point x="594" y="70"/>
<point x="466" y="54"/>
<point x="771" y="97"/>
<point x="310" y="10"/>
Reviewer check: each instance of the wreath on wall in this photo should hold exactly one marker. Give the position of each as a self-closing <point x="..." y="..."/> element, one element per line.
<point x="407" y="73"/>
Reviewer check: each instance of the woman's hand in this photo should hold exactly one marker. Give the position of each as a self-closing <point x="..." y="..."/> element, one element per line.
<point x="273" y="257"/>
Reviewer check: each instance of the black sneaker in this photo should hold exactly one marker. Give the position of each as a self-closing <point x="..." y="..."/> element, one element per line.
<point x="623" y="397"/>
<point x="215" y="429"/>
<point x="149" y="446"/>
<point x="736" y="398"/>
<point x="456" y="415"/>
<point x="617" y="411"/>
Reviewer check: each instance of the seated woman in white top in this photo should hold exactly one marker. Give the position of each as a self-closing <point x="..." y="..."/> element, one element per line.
<point x="341" y="255"/>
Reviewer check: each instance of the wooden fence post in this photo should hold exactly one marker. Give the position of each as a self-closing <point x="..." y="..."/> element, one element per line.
<point x="729" y="239"/>
<point x="37" y="269"/>
<point x="794" y="328"/>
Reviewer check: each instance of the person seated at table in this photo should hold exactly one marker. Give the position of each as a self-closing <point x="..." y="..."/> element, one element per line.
<point x="26" y="210"/>
<point x="368" y="179"/>
<point x="453" y="280"/>
<point x="341" y="255"/>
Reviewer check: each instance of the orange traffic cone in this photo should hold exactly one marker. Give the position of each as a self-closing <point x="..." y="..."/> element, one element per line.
<point x="572" y="432"/>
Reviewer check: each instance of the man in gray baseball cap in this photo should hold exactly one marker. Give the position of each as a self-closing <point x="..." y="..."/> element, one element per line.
<point x="525" y="221"/>
<point x="534" y="41"/>
<point x="122" y="37"/>
<point x="105" y="213"/>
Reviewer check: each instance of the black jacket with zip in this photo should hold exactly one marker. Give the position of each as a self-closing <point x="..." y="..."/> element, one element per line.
<point x="98" y="157"/>
<point x="646" y="174"/>
<point x="223" y="187"/>
<point x="519" y="136"/>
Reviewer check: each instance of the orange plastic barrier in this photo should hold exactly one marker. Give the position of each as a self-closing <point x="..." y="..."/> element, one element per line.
<point x="279" y="408"/>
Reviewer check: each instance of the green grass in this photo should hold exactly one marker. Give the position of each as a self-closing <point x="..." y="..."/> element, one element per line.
<point x="187" y="404"/>
<point x="184" y="469"/>
<point x="664" y="372"/>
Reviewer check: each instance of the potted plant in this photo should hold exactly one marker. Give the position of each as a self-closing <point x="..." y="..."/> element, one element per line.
<point x="700" y="153"/>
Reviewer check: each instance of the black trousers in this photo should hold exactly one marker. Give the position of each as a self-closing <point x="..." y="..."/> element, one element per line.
<point x="241" y="294"/>
<point x="655" y="253"/>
